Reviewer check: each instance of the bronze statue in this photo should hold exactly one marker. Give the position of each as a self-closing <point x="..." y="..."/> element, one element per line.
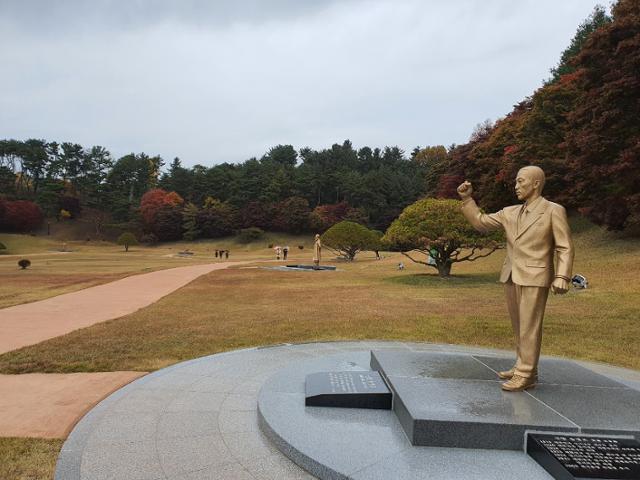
<point x="317" y="251"/>
<point x="534" y="231"/>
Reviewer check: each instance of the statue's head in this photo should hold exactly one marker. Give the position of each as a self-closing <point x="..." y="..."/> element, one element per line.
<point x="317" y="236"/>
<point x="529" y="182"/>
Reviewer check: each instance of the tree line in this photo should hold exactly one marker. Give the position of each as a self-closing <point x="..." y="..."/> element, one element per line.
<point x="286" y="190"/>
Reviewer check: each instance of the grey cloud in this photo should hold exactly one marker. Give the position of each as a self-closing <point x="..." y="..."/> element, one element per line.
<point x="146" y="76"/>
<point x="46" y="16"/>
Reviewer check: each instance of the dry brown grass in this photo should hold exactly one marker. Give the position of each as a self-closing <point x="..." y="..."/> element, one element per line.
<point x="28" y="458"/>
<point x="93" y="263"/>
<point x="367" y="299"/>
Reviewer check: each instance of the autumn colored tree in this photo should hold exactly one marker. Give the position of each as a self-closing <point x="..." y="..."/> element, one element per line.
<point x="291" y="215"/>
<point x="256" y="214"/>
<point x="603" y="134"/>
<point x="153" y="202"/>
<point x="21" y="216"/>
<point x="325" y="216"/>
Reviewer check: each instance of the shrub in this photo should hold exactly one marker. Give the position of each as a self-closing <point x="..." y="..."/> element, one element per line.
<point x="127" y="239"/>
<point x="248" y="235"/>
<point x="24" y="263"/>
<point x="2" y="246"/>
<point x="301" y="247"/>
<point x="348" y="238"/>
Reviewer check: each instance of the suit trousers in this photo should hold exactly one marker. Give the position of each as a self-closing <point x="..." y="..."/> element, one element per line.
<point x="526" y="307"/>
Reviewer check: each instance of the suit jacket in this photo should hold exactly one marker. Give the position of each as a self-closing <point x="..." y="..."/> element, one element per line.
<point x="530" y="250"/>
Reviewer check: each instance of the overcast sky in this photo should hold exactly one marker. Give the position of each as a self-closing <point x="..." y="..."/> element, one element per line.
<point x="214" y="81"/>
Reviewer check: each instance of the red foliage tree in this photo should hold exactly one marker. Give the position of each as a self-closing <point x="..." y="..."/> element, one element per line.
<point x="256" y="214"/>
<point x="21" y="216"/>
<point x="291" y="215"/>
<point x="603" y="138"/>
<point x="153" y="202"/>
<point x="324" y="217"/>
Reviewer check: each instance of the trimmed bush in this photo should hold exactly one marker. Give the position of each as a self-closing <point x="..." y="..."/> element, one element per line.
<point x="127" y="239"/>
<point x="24" y="263"/>
<point x="348" y="238"/>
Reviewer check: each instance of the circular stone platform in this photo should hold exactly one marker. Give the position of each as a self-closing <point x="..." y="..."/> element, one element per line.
<point x="199" y="420"/>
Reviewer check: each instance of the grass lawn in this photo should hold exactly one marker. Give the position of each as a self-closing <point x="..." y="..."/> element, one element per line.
<point x="87" y="264"/>
<point x="365" y="299"/>
<point x="28" y="458"/>
<point x="242" y="307"/>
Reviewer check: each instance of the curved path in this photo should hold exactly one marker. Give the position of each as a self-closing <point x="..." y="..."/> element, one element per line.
<point x="35" y="322"/>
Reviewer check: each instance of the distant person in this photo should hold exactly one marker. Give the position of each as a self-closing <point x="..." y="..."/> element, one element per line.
<point x="378" y="257"/>
<point x="226" y="254"/>
<point x="401" y="266"/>
<point x="216" y="253"/>
<point x="278" y="252"/>
<point x="285" y="252"/>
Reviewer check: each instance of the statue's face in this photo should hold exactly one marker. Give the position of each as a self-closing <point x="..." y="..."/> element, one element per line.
<point x="526" y="185"/>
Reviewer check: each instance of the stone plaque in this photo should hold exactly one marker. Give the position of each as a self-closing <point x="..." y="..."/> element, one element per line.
<point x="351" y="389"/>
<point x="569" y="457"/>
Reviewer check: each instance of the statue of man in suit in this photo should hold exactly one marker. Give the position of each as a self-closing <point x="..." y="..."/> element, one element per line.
<point x="534" y="231"/>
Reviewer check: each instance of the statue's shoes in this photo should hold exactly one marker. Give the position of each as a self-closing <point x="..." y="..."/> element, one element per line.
<point x="507" y="374"/>
<point x="518" y="383"/>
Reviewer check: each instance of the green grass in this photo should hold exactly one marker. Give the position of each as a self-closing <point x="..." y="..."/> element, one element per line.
<point x="28" y="458"/>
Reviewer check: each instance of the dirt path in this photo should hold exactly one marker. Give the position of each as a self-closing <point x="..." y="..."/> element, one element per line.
<point x="48" y="405"/>
<point x="31" y="323"/>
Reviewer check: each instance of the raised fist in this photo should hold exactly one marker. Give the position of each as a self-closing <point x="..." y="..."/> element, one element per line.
<point x="465" y="190"/>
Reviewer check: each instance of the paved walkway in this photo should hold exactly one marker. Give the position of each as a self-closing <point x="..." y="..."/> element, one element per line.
<point x="48" y="405"/>
<point x="198" y="420"/>
<point x="35" y="322"/>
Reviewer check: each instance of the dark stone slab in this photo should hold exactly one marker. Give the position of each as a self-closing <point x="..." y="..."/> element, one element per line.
<point x="556" y="371"/>
<point x="573" y="457"/>
<point x="596" y="410"/>
<point x="455" y="400"/>
<point x="312" y="267"/>
<point x="469" y="413"/>
<point x="430" y="365"/>
<point x="349" y="389"/>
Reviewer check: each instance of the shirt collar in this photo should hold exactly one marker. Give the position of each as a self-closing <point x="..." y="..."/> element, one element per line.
<point x="531" y="207"/>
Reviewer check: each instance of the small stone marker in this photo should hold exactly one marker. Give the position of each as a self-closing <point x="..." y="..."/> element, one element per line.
<point x="351" y="389"/>
<point x="575" y="457"/>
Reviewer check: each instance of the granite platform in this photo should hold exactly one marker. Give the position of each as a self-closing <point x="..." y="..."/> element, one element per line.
<point x="455" y="400"/>
<point x="203" y="419"/>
